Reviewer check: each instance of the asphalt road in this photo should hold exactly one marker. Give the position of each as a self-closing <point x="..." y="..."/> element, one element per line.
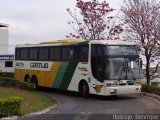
<point x="71" y="106"/>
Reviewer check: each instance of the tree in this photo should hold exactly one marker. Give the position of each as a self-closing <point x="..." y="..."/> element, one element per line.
<point x="94" y="21"/>
<point x="142" y="21"/>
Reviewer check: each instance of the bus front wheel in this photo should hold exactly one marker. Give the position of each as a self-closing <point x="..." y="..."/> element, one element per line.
<point x="84" y="89"/>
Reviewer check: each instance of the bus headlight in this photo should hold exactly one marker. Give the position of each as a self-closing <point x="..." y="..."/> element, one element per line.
<point x="113" y="91"/>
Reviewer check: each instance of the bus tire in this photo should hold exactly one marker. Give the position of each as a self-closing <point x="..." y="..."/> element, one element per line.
<point x="26" y="78"/>
<point x="84" y="89"/>
<point x="34" y="81"/>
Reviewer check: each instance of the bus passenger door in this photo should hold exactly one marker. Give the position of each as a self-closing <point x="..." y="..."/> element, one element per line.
<point x="98" y="72"/>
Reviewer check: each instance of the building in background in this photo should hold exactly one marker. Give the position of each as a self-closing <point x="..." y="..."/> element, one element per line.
<point x="6" y="63"/>
<point x="6" y="60"/>
<point x="4" y="39"/>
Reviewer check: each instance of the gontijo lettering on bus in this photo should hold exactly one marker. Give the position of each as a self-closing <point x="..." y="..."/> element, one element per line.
<point x="39" y="65"/>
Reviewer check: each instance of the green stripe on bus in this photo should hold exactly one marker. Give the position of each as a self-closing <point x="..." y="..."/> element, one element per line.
<point x="60" y="74"/>
<point x="68" y="75"/>
<point x="80" y="43"/>
<point x="83" y="43"/>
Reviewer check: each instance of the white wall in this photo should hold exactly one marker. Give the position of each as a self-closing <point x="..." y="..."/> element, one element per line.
<point x="4" y="39"/>
<point x="3" y="68"/>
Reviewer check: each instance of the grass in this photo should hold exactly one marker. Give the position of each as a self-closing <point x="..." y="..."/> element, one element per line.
<point x="33" y="101"/>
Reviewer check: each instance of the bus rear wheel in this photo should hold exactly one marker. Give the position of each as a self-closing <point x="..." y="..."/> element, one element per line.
<point x="26" y="78"/>
<point x="34" y="81"/>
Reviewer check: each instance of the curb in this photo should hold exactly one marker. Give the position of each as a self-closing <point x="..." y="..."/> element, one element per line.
<point x="30" y="114"/>
<point x="151" y="96"/>
<point x="39" y="112"/>
<point x="10" y="118"/>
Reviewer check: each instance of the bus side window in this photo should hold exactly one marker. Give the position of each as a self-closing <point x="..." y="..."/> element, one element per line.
<point x="68" y="53"/>
<point x="24" y="54"/>
<point x="83" y="53"/>
<point x="17" y="54"/>
<point x="55" y="53"/>
<point x="43" y="53"/>
<point x="33" y="53"/>
<point x="71" y="53"/>
<point x="97" y="50"/>
<point x="65" y="53"/>
<point x="76" y="53"/>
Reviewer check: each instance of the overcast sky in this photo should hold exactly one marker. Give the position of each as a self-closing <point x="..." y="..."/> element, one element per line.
<point x="34" y="21"/>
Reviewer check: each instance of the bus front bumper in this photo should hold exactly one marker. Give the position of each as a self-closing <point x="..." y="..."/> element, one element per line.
<point x="118" y="90"/>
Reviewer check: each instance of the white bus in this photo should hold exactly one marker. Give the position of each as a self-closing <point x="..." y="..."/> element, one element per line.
<point x="101" y="67"/>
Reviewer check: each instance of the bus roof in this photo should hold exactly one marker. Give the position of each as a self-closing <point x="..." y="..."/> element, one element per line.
<point x="78" y="41"/>
<point x="112" y="42"/>
<point x="63" y="41"/>
<point x="106" y="42"/>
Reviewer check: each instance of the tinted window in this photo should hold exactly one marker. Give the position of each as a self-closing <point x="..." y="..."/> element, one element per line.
<point x="8" y="63"/>
<point x="55" y="53"/>
<point x="33" y="53"/>
<point x="97" y="50"/>
<point x="17" y="54"/>
<point x="65" y="53"/>
<point x="121" y="50"/>
<point x="76" y="53"/>
<point x="43" y="53"/>
<point x="83" y="53"/>
<point x="101" y="50"/>
<point x="23" y="53"/>
<point x="70" y="53"/>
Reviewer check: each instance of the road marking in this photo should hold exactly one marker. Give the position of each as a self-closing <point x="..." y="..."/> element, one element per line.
<point x="152" y="99"/>
<point x="10" y="118"/>
<point x="85" y="112"/>
<point x="83" y="116"/>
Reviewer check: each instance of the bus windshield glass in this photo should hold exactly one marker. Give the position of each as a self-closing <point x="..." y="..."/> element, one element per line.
<point x="101" y="50"/>
<point x="115" y="63"/>
<point x="122" y="68"/>
<point x="120" y="50"/>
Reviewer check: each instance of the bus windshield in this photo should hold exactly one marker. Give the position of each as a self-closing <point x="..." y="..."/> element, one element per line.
<point x="115" y="63"/>
<point x="122" y="68"/>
